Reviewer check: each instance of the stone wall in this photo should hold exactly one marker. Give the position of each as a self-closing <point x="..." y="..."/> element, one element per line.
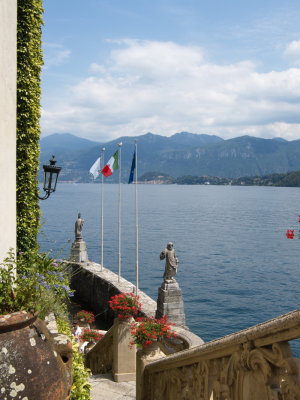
<point x="8" y="79"/>
<point x="94" y="288"/>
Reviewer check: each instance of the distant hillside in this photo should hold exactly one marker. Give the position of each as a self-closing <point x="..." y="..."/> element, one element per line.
<point x="181" y="154"/>
<point x="291" y="179"/>
<point x="65" y="145"/>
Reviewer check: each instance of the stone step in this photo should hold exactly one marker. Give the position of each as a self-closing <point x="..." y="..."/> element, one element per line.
<point x="104" y="388"/>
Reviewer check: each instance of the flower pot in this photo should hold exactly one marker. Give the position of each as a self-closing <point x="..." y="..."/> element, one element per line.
<point x="125" y="318"/>
<point x="33" y="364"/>
<point x="151" y="349"/>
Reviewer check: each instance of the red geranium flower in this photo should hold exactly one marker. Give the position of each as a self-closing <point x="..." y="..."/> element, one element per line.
<point x="126" y="305"/>
<point x="87" y="316"/>
<point x="150" y="330"/>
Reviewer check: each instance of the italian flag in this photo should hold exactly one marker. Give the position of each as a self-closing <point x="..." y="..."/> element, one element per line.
<point x="112" y="165"/>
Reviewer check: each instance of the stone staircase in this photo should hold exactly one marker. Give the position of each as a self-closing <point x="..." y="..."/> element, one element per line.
<point x="104" y="388"/>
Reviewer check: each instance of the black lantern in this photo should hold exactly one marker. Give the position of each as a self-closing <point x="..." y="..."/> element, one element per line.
<point x="50" y="178"/>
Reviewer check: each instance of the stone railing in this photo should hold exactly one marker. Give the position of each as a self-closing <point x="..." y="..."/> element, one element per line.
<point x="100" y="358"/>
<point x="253" y="364"/>
<point x="185" y="339"/>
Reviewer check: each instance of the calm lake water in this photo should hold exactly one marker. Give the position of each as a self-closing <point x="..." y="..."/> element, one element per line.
<point x="236" y="267"/>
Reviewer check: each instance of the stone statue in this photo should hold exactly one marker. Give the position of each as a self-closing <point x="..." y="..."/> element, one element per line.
<point x="78" y="227"/>
<point x="171" y="263"/>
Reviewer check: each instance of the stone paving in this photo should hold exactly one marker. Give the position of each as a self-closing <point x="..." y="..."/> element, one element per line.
<point x="104" y="388"/>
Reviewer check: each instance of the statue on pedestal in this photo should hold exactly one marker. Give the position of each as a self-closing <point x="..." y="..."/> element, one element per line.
<point x="169" y="300"/>
<point x="79" y="250"/>
<point x="171" y="263"/>
<point x="78" y="227"/>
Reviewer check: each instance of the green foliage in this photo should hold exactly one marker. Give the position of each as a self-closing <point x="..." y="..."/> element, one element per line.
<point x="291" y="179"/>
<point x="29" y="63"/>
<point x="7" y="279"/>
<point x="81" y="388"/>
<point x="34" y="282"/>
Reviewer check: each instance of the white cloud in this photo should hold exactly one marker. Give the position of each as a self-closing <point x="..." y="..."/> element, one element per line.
<point x="165" y="88"/>
<point x="96" y="68"/>
<point x="55" y="55"/>
<point x="292" y="52"/>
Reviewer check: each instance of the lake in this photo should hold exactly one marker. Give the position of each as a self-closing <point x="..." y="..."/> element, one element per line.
<point x="236" y="269"/>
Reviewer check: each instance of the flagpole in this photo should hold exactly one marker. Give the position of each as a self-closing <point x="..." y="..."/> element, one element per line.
<point x="136" y="223"/>
<point x="102" y="219"/>
<point x="119" y="261"/>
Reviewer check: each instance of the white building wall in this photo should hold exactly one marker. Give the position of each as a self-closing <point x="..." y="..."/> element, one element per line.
<point x="8" y="80"/>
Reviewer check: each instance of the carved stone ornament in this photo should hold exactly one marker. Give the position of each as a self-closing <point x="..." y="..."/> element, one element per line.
<point x="250" y="373"/>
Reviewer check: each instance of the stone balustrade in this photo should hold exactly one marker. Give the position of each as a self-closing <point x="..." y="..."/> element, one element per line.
<point x="253" y="364"/>
<point x="100" y="358"/>
<point x="185" y="339"/>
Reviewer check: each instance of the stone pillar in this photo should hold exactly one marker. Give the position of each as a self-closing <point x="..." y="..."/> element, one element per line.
<point x="170" y="303"/>
<point x="8" y="87"/>
<point x="79" y="251"/>
<point x="124" y="355"/>
<point x="145" y="356"/>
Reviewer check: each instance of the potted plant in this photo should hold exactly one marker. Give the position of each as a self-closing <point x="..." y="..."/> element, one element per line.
<point x="84" y="317"/>
<point x="151" y="330"/>
<point x="125" y="304"/>
<point x="90" y="335"/>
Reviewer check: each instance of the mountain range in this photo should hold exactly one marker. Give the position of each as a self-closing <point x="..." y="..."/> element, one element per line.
<point x="181" y="154"/>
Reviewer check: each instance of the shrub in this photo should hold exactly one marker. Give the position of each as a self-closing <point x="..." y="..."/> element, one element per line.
<point x="34" y="282"/>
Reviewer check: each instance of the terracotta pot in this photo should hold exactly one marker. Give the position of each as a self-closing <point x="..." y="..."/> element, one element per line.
<point x="151" y="348"/>
<point x="33" y="363"/>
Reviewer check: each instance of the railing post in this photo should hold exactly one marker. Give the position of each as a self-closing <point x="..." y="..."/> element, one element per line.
<point x="124" y="354"/>
<point x="145" y="356"/>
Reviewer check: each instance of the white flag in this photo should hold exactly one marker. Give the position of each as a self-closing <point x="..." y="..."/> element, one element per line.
<point x="95" y="168"/>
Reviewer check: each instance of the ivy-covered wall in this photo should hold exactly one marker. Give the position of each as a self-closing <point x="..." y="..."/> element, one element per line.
<point x="29" y="63"/>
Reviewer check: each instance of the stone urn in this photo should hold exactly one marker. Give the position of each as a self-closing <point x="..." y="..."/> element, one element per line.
<point x="34" y="364"/>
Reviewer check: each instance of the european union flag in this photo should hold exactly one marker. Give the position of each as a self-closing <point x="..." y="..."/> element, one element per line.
<point x="130" y="180"/>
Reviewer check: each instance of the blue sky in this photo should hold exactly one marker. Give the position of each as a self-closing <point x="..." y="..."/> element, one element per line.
<point x="128" y="67"/>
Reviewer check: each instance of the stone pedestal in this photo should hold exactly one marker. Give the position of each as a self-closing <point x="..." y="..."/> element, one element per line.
<point x="79" y="251"/>
<point x="170" y="303"/>
<point x="124" y="355"/>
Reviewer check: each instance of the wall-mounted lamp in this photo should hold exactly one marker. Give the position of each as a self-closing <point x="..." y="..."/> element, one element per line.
<point x="50" y="178"/>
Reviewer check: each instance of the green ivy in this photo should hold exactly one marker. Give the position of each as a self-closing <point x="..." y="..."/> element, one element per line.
<point x="29" y="64"/>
